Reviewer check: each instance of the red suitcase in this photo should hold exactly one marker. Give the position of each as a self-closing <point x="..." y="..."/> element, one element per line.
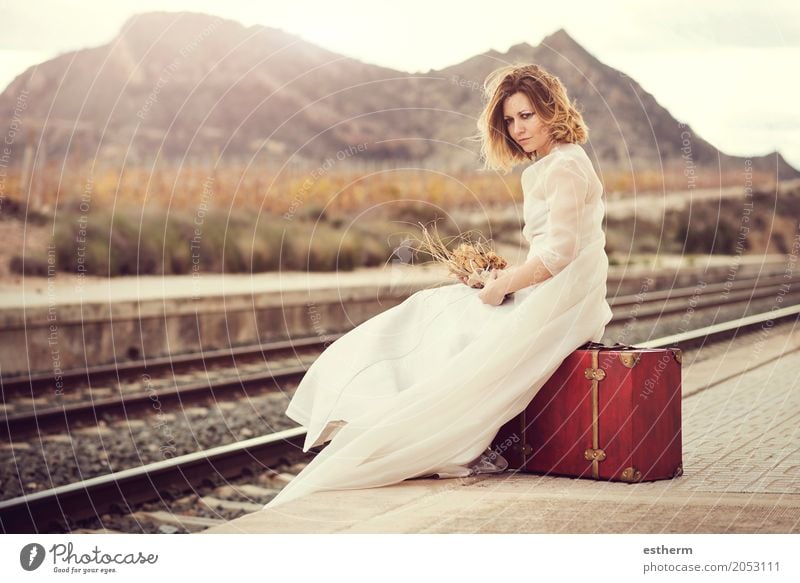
<point x="608" y="413"/>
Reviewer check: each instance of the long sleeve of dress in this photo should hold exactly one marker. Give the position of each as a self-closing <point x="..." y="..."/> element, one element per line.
<point x="566" y="188"/>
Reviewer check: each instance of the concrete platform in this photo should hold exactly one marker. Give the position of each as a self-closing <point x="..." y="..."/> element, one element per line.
<point x="741" y="413"/>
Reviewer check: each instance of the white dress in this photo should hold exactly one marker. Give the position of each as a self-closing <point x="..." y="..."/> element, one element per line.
<point x="422" y="389"/>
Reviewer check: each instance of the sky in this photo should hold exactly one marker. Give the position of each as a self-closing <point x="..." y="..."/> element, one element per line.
<point x="727" y="68"/>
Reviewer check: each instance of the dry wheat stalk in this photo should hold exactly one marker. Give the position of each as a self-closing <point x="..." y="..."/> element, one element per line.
<point x="474" y="260"/>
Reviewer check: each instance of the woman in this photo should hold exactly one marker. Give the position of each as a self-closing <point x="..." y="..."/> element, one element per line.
<point x="422" y="388"/>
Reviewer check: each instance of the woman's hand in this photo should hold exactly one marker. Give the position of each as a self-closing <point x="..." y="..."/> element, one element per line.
<point x="464" y="279"/>
<point x="495" y="290"/>
<point x="492" y="274"/>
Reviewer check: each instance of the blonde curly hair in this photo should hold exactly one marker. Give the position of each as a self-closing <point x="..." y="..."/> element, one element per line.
<point x="549" y="98"/>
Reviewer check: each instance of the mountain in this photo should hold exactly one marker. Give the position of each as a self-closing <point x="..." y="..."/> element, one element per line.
<point x="627" y="126"/>
<point x="187" y="87"/>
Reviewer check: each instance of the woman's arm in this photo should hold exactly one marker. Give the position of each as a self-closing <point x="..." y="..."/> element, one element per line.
<point x="567" y="188"/>
<point x="513" y="279"/>
<point x="531" y="272"/>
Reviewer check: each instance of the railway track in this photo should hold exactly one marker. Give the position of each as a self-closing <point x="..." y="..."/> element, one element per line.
<point x="117" y="372"/>
<point x="120" y="493"/>
<point x="282" y="364"/>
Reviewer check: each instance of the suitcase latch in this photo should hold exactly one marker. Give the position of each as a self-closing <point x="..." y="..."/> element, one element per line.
<point x="594" y="454"/>
<point x="595" y="374"/>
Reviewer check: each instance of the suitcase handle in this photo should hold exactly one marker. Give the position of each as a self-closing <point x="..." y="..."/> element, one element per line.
<point x="590" y="345"/>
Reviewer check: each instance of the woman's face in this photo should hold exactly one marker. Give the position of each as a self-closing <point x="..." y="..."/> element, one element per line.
<point x="524" y="126"/>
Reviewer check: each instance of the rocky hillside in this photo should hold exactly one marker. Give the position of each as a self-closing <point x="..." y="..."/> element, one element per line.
<point x="186" y="86"/>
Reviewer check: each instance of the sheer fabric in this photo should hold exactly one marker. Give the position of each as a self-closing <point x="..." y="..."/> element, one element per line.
<point x="566" y="189"/>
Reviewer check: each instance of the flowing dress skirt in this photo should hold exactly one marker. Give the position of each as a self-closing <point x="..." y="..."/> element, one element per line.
<point x="422" y="388"/>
